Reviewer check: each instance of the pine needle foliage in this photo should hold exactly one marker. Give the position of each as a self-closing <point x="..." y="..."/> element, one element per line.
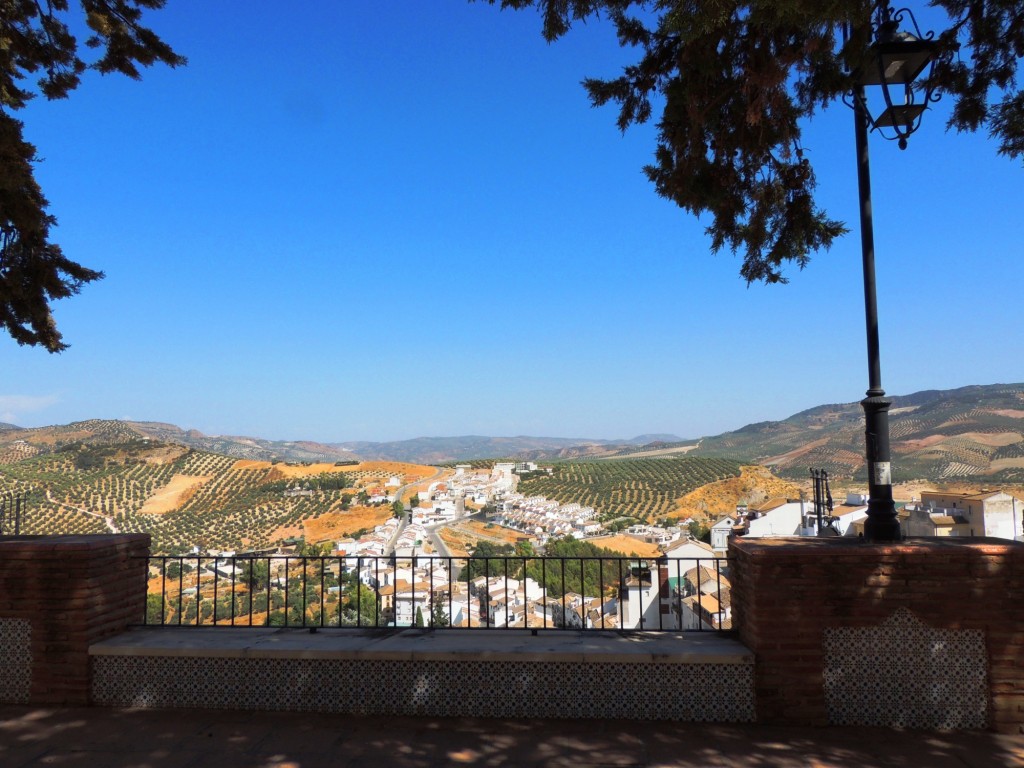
<point x="39" y="55"/>
<point x="736" y="80"/>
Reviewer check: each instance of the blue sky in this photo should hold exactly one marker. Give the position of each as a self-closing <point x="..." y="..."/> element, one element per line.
<point x="376" y="221"/>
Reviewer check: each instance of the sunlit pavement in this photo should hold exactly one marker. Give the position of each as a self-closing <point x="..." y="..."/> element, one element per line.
<point x="122" y="738"/>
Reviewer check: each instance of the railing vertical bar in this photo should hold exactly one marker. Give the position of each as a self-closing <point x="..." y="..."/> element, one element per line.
<point x="700" y="595"/>
<point x="233" y="565"/>
<point x="250" y="585"/>
<point x="305" y="590"/>
<point x="718" y="583"/>
<point x="199" y="595"/>
<point x="661" y="598"/>
<point x="376" y="619"/>
<point x="181" y="590"/>
<point x="679" y="594"/>
<point x="215" y="586"/>
<point x="565" y="612"/>
<point x="323" y="589"/>
<point x="359" y="595"/>
<point x="287" y="559"/>
<point x="622" y="586"/>
<point x="343" y="572"/>
<point x="487" y="590"/>
<point x="526" y="598"/>
<point x="582" y="593"/>
<point x="341" y="589"/>
<point x="505" y="595"/>
<point x="266" y="619"/>
<point x="163" y="589"/>
<point x="201" y="592"/>
<point x="547" y="597"/>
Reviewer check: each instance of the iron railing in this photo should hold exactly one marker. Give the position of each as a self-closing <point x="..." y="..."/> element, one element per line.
<point x="532" y="593"/>
<point x="10" y="514"/>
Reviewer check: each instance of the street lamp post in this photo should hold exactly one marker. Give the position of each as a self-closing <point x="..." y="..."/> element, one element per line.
<point x="895" y="59"/>
<point x="882" y="523"/>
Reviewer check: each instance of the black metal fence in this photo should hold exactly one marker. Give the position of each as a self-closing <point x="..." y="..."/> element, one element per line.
<point x="10" y="514"/>
<point x="532" y="593"/>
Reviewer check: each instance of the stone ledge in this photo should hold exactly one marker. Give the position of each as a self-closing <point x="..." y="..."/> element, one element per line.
<point x="781" y="546"/>
<point x="13" y="546"/>
<point x="425" y="645"/>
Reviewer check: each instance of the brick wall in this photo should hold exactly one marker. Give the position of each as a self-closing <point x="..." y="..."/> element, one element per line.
<point x="787" y="592"/>
<point x="72" y="591"/>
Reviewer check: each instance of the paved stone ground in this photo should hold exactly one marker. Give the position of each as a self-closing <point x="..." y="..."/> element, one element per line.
<point x="32" y="737"/>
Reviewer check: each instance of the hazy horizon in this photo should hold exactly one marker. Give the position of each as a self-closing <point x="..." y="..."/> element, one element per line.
<point x="571" y="439"/>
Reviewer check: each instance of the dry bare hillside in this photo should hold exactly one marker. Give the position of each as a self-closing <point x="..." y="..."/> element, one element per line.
<point x="755" y="484"/>
<point x="973" y="434"/>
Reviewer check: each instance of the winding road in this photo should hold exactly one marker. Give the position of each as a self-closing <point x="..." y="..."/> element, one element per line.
<point x="108" y="520"/>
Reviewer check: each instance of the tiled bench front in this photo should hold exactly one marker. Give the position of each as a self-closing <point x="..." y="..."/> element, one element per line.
<point x="694" y="677"/>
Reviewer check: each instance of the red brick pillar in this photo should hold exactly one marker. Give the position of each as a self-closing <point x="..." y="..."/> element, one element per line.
<point x="58" y="595"/>
<point x="788" y="592"/>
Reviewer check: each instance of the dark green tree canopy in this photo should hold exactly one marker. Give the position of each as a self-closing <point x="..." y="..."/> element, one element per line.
<point x="735" y="81"/>
<point x="40" y="55"/>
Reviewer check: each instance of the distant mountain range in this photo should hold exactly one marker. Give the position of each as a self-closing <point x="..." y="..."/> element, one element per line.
<point x="421" y="450"/>
<point x="439" y="450"/>
<point x="418" y="451"/>
<point x="972" y="433"/>
<point x="28" y="441"/>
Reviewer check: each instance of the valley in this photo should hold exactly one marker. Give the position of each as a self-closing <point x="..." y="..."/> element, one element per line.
<point x="100" y="476"/>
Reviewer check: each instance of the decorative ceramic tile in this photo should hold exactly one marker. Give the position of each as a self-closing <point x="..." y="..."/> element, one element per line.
<point x="690" y="692"/>
<point x="15" y="660"/>
<point x="904" y="673"/>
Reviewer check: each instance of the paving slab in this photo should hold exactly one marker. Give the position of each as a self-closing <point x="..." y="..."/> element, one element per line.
<point x="96" y="737"/>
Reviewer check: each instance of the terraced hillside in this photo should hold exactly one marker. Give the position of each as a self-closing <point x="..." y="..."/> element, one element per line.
<point x="973" y="434"/>
<point x="636" y="489"/>
<point x="186" y="498"/>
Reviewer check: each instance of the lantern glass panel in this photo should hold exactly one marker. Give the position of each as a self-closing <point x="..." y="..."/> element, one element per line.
<point x="897" y="62"/>
<point x="899" y="116"/>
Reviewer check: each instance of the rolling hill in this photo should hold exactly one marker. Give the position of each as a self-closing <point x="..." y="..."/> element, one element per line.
<point x="973" y="434"/>
<point x="37" y="440"/>
<point x="184" y="497"/>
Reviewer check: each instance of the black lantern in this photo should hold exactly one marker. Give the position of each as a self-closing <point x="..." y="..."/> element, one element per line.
<point x="895" y="61"/>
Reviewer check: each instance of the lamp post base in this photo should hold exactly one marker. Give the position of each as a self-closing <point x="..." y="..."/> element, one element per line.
<point x="882" y="523"/>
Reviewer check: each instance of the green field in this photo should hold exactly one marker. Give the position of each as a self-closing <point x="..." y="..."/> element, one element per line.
<point x="642" y="489"/>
